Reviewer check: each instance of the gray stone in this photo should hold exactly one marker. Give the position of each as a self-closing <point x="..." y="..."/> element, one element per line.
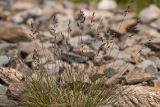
<point x="9" y="75"/>
<point x="149" y="66"/>
<point x="156" y="60"/>
<point x="4" y="45"/>
<point x="138" y="75"/>
<point x="4" y="101"/>
<point x="72" y="57"/>
<point x="150" y="13"/>
<point x="156" y="24"/>
<point x="96" y="44"/>
<point x="116" y="54"/>
<point x="13" y="33"/>
<point x="139" y="96"/>
<point x="76" y="41"/>
<point x="15" y="90"/>
<point x="12" y="54"/>
<point x="85" y="51"/>
<point x="3" y="90"/>
<point x="37" y="12"/>
<point x="109" y="72"/>
<point x="121" y="68"/>
<point x="36" y="48"/>
<point x="17" y="19"/>
<point x="120" y="65"/>
<point x="98" y="59"/>
<point x="4" y="60"/>
<point x="109" y="5"/>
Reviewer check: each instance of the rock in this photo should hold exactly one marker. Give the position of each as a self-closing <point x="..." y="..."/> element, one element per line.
<point x="120" y="65"/>
<point x="12" y="54"/>
<point x="16" y="33"/>
<point x="24" y="16"/>
<point x="96" y="44"/>
<point x="72" y="57"/>
<point x="110" y="46"/>
<point x="109" y="72"/>
<point x="127" y="41"/>
<point x="150" y="32"/>
<point x="98" y="59"/>
<point x="156" y="83"/>
<point x="146" y="51"/>
<point x="34" y="60"/>
<point x="4" y="45"/>
<point x="154" y="45"/>
<point x="116" y="54"/>
<point x="3" y="90"/>
<point x="109" y="5"/>
<point x="76" y="41"/>
<point x="156" y="60"/>
<point x="156" y="24"/>
<point x="20" y="66"/>
<point x="20" y="5"/>
<point x="67" y="4"/>
<point x="120" y="16"/>
<point x="9" y="75"/>
<point x="151" y="69"/>
<point x="4" y="101"/>
<point x="4" y="60"/>
<point x="18" y="19"/>
<point x="138" y="75"/>
<point x="134" y="51"/>
<point x="5" y="4"/>
<point x="15" y="90"/>
<point x="148" y="66"/>
<point x="139" y="96"/>
<point x="122" y="27"/>
<point x="121" y="68"/>
<point x="85" y="51"/>
<point x="149" y="14"/>
<point x="104" y="14"/>
<point x="36" y="48"/>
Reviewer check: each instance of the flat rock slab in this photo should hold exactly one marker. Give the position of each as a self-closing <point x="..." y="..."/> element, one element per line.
<point x="138" y="76"/>
<point x="139" y="96"/>
<point x="9" y="75"/>
<point x="4" y="101"/>
<point x="13" y="33"/>
<point x="72" y="57"/>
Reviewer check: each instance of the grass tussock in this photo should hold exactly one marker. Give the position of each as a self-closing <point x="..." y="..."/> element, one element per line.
<point x="70" y="90"/>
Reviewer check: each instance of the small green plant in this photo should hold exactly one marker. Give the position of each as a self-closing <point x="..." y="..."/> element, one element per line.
<point x="71" y="90"/>
<point x="71" y="87"/>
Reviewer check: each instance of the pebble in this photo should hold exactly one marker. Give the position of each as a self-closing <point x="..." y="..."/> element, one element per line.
<point x="4" y="101"/>
<point x="149" y="14"/>
<point x="109" y="72"/>
<point x="149" y="66"/>
<point x="138" y="76"/>
<point x="156" y="60"/>
<point x="156" y="24"/>
<point x="76" y="41"/>
<point x="9" y="75"/>
<point x="4" y="60"/>
<point x="72" y="57"/>
<point x="109" y="5"/>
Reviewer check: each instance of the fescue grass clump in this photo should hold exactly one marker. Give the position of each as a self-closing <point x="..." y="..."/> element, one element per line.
<point x="71" y="89"/>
